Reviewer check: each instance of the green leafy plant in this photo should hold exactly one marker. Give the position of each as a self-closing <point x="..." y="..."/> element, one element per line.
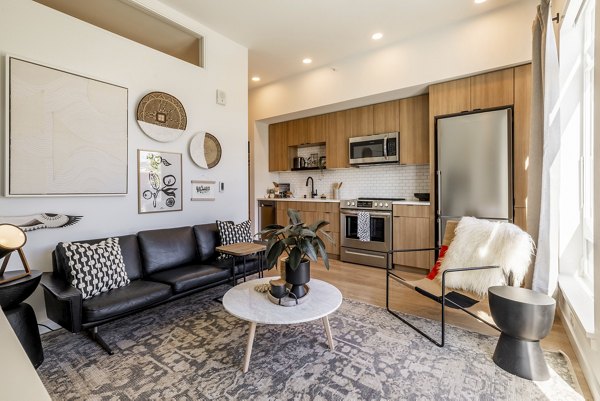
<point x="298" y="240"/>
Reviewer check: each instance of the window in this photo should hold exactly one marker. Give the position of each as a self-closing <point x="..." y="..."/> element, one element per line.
<point x="586" y="271"/>
<point x="576" y="161"/>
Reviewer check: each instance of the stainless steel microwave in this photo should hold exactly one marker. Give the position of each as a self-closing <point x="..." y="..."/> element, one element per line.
<point x="374" y="149"/>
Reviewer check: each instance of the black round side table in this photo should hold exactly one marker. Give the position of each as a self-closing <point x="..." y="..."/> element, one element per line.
<point x="21" y="315"/>
<point x="524" y="317"/>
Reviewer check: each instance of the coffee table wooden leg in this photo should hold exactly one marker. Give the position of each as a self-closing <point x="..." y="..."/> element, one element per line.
<point x="328" y="332"/>
<point x="249" y="346"/>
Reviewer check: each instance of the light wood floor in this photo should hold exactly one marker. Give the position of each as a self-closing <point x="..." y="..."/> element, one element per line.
<point x="367" y="284"/>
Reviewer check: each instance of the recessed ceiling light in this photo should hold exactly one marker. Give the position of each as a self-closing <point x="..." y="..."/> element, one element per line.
<point x="256" y="79"/>
<point x="479" y="1"/>
<point x="377" y="36"/>
<point x="307" y="60"/>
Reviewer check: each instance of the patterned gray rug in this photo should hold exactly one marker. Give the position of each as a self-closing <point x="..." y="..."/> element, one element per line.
<point x="192" y="349"/>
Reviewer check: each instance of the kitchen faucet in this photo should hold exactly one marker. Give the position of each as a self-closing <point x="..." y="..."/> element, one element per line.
<point x="313" y="193"/>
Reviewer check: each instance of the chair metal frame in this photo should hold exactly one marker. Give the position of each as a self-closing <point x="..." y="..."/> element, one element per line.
<point x="439" y="299"/>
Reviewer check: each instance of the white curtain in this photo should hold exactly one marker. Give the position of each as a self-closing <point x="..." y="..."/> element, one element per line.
<point x="544" y="145"/>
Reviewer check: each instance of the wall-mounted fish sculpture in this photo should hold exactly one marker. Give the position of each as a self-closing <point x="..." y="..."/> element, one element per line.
<point x="42" y="220"/>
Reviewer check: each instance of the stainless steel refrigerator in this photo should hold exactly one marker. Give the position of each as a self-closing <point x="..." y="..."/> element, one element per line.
<point x="474" y="167"/>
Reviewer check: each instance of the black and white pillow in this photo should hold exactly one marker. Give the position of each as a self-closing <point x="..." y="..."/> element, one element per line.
<point x="96" y="268"/>
<point x="233" y="233"/>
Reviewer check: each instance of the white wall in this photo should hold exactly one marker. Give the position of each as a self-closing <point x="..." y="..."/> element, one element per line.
<point x="36" y="32"/>
<point x="492" y="41"/>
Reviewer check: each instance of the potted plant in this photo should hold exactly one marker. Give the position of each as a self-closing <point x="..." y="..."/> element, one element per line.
<point x="301" y="243"/>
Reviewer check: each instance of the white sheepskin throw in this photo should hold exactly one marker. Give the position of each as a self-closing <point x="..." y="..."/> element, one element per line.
<point x="486" y="243"/>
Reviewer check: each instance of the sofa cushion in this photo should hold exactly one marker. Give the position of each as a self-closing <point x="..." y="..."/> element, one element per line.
<point x="166" y="248"/>
<point x="207" y="239"/>
<point x="189" y="277"/>
<point x="95" y="268"/>
<point x="137" y="295"/>
<point x="129" y="250"/>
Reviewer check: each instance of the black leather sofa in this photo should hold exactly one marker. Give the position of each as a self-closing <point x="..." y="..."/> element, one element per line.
<point x="162" y="265"/>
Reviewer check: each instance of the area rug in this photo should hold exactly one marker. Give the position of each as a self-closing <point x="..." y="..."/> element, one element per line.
<point x="192" y="349"/>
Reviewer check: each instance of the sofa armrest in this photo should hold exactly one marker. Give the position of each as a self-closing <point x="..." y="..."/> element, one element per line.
<point x="63" y="302"/>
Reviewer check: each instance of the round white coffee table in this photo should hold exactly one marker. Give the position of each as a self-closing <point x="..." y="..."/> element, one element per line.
<point x="244" y="302"/>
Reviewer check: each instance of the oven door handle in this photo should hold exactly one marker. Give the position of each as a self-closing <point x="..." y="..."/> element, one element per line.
<point x="376" y="214"/>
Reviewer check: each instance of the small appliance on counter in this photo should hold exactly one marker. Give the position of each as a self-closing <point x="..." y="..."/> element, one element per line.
<point x="422" y="196"/>
<point x="299" y="162"/>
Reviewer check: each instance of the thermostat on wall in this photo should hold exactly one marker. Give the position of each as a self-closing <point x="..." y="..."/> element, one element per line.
<point x="221" y="97"/>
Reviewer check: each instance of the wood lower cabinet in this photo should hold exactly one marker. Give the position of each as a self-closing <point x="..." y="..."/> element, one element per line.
<point x="311" y="212"/>
<point x="411" y="230"/>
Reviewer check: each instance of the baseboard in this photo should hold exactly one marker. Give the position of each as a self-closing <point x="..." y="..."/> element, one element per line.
<point x="583" y="349"/>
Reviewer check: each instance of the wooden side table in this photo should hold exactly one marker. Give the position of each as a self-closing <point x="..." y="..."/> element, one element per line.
<point x="243" y="250"/>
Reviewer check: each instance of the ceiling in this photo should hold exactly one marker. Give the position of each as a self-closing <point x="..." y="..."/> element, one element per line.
<point x="280" y="33"/>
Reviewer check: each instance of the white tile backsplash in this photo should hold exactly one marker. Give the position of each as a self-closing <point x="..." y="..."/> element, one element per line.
<point x="387" y="181"/>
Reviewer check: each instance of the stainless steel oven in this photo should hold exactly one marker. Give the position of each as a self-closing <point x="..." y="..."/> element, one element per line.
<point x="374" y="251"/>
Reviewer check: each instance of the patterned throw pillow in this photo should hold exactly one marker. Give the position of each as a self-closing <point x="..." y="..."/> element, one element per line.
<point x="97" y="268"/>
<point x="233" y="233"/>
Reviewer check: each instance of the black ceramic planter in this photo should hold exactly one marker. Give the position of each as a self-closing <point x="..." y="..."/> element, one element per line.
<point x="297" y="278"/>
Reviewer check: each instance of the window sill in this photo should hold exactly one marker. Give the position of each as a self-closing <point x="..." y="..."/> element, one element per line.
<point x="580" y="301"/>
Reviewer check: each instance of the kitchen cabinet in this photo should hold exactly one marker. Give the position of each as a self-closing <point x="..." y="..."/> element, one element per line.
<point x="520" y="217"/>
<point x="297" y="134"/>
<point x="484" y="91"/>
<point x="279" y="157"/>
<point x="386" y="117"/>
<point x="411" y="230"/>
<point x="522" y="127"/>
<point x="361" y="121"/>
<point x="337" y="126"/>
<point x="414" y="130"/>
<point x="315" y="129"/>
<point x="311" y="212"/>
<point x="493" y="89"/>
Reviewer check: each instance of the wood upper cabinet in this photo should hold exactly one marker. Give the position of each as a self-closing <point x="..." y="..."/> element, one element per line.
<point x="450" y="97"/>
<point x="493" y="89"/>
<point x="386" y="117"/>
<point x="337" y="126"/>
<point x="522" y="126"/>
<point x="361" y="121"/>
<point x="414" y="130"/>
<point x="279" y="158"/>
<point x="315" y="129"/>
<point x="297" y="133"/>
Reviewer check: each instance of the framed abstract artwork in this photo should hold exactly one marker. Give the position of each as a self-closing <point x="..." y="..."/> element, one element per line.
<point x="203" y="190"/>
<point x="159" y="181"/>
<point x="67" y="133"/>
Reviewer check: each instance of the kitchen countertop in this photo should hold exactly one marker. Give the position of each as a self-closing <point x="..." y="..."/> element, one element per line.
<point x="301" y="200"/>
<point x="417" y="203"/>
